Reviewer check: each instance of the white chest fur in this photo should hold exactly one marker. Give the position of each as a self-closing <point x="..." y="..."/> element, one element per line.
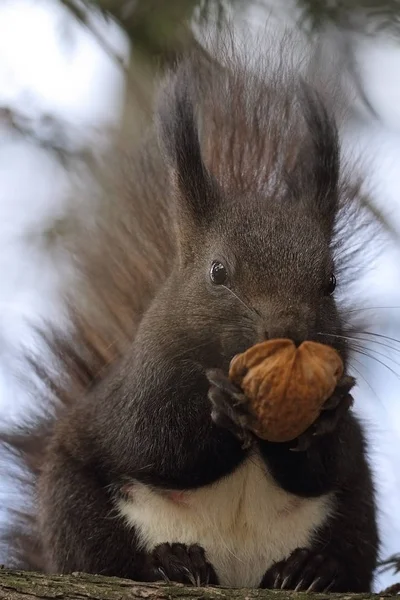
<point x="244" y="522"/>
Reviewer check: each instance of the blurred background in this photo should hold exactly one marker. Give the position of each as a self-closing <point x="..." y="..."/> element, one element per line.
<point x="73" y="74"/>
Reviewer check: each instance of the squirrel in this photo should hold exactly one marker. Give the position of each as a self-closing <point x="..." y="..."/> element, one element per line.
<point x="228" y="235"/>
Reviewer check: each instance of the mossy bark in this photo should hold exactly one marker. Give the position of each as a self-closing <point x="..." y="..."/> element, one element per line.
<point x="17" y="585"/>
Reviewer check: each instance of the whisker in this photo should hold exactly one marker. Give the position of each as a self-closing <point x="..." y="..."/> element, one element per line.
<point x="351" y="310"/>
<point x="249" y="308"/>
<point x="336" y="335"/>
<point x="242" y="320"/>
<point x="381" y="354"/>
<point x="351" y="338"/>
<point x="364" y="378"/>
<point x="378" y="343"/>
<point x="380" y="335"/>
<point x="358" y="348"/>
<point x="188" y="350"/>
<point x="362" y="339"/>
<point x="363" y="352"/>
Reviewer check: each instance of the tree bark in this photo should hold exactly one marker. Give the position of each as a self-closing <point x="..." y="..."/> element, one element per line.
<point x="18" y="585"/>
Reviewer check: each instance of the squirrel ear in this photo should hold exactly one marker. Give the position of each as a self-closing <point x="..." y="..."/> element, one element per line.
<point x="321" y="166"/>
<point x="179" y="136"/>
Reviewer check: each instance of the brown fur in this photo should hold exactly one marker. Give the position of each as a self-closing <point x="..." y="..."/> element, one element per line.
<point x="133" y="248"/>
<point x="119" y="271"/>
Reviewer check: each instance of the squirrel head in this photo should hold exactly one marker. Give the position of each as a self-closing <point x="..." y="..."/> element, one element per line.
<point x="254" y="165"/>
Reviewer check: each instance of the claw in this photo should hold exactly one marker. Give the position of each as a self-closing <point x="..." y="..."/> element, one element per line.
<point x="328" y="587"/>
<point x="298" y="586"/>
<point x="163" y="575"/>
<point x="229" y="408"/>
<point x="190" y="575"/>
<point x="312" y="586"/>
<point x="302" y="567"/>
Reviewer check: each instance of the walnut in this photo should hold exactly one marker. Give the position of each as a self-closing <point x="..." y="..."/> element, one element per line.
<point x="286" y="386"/>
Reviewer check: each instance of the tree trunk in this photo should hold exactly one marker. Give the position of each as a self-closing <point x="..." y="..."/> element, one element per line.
<point x="17" y="585"/>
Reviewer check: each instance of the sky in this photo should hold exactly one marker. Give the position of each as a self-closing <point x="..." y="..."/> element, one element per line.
<point x="49" y="64"/>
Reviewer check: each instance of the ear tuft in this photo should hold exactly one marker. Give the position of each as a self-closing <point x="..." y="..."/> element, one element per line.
<point x="178" y="125"/>
<point x="320" y="166"/>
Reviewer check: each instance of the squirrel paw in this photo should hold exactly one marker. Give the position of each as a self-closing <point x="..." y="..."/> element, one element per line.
<point x="229" y="407"/>
<point x="305" y="570"/>
<point x="182" y="564"/>
<point x="332" y="412"/>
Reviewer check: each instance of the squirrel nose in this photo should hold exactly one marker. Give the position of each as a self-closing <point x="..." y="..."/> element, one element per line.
<point x="298" y="333"/>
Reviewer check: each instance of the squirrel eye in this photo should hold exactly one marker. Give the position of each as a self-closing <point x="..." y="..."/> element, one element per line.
<point x="218" y="273"/>
<point x="331" y="285"/>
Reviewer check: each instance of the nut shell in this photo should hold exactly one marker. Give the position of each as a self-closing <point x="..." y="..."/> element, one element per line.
<point x="286" y="386"/>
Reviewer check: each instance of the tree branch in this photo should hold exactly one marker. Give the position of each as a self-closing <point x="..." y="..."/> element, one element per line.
<point x="18" y="585"/>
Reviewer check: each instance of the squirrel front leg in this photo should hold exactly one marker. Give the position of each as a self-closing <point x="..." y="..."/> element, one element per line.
<point x="306" y="466"/>
<point x="83" y="533"/>
<point x="77" y="528"/>
<point x="341" y="555"/>
<point x="164" y="438"/>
